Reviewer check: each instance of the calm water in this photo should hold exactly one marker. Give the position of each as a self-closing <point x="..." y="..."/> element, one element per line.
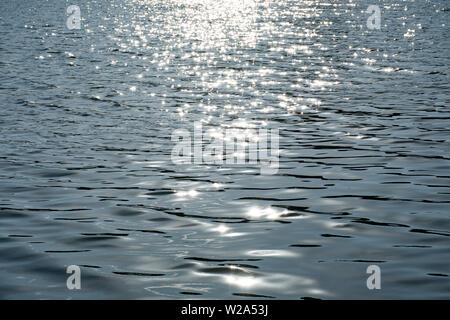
<point x="86" y="176"/>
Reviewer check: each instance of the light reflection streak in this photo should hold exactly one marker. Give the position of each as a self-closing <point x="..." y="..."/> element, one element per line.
<point x="267" y="213"/>
<point x="244" y="279"/>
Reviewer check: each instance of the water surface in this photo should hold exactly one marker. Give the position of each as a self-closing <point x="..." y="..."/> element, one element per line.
<point x="86" y="176"/>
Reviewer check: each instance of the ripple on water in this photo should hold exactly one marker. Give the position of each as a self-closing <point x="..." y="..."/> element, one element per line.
<point x="86" y="176"/>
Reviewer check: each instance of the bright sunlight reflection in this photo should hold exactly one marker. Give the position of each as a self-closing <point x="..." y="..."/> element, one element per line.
<point x="220" y="23"/>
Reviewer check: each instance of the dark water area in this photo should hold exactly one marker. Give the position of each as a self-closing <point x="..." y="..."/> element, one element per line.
<point x="86" y="176"/>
